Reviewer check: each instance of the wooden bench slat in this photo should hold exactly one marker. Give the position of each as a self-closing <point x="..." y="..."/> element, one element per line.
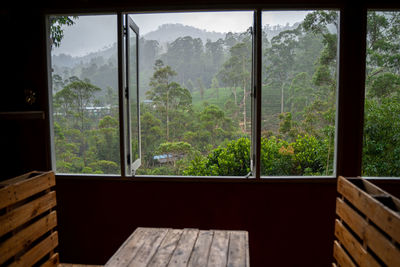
<point x="53" y="261"/>
<point x="237" y="249"/>
<point x="25" y="213"/>
<point x="166" y="248"/>
<point x="383" y="217"/>
<point x="183" y="250"/>
<point x="359" y="254"/>
<point x="149" y="247"/>
<point x="219" y="249"/>
<point x="37" y="252"/>
<point x="129" y="247"/>
<point x="201" y="249"/>
<point x="382" y="247"/>
<point x="25" y="237"/>
<point x="341" y="256"/>
<point x="21" y="187"/>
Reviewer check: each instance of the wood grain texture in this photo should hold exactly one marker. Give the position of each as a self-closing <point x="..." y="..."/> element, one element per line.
<point x="152" y="241"/>
<point x="184" y="248"/>
<point x="160" y="247"/>
<point x="374" y="226"/>
<point x="382" y="247"/>
<point x="166" y="248"/>
<point x="219" y="249"/>
<point x="24" y="186"/>
<point x="37" y="252"/>
<point x="356" y="250"/>
<point x="382" y="216"/>
<point x="341" y="256"/>
<point x="237" y="249"/>
<point x="22" y="239"/>
<point x="201" y="249"/>
<point x="53" y="261"/>
<point x="128" y="249"/>
<point x="25" y="213"/>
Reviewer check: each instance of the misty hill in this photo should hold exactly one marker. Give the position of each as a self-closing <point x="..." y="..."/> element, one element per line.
<point x="273" y="30"/>
<point x="167" y="33"/>
<point x="63" y="60"/>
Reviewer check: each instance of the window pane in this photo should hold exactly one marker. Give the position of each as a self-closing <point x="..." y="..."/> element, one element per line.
<point x="195" y="79"/>
<point x="85" y="94"/>
<point x="299" y="80"/>
<point x="381" y="147"/>
<point x="133" y="96"/>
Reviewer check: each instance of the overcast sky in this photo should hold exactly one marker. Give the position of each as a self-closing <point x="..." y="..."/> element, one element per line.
<point x="93" y="33"/>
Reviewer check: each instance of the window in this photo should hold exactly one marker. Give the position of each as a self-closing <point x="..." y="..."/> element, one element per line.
<point x="381" y="144"/>
<point x="85" y="94"/>
<point x="299" y="84"/>
<point x="175" y="93"/>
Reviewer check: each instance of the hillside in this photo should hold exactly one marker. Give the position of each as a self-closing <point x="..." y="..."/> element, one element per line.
<point x="170" y="32"/>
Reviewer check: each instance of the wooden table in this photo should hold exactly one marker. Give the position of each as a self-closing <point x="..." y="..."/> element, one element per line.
<point x="183" y="247"/>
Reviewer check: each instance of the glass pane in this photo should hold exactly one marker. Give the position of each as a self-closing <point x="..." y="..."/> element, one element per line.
<point x="85" y="94"/>
<point x="299" y="84"/>
<point x="381" y="144"/>
<point x="133" y="96"/>
<point x="195" y="79"/>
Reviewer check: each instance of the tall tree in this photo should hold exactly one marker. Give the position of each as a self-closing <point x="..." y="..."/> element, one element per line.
<point x="168" y="96"/>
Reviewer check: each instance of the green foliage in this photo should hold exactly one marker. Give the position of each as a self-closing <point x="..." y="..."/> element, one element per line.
<point x="381" y="148"/>
<point x="56" y="27"/>
<point x="232" y="160"/>
<point x="305" y="156"/>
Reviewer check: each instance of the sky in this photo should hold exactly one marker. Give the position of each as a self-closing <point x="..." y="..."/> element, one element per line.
<point x="93" y="33"/>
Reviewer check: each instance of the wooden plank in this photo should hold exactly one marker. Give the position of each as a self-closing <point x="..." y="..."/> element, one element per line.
<point x="183" y="250"/>
<point x="149" y="247"/>
<point x="78" y="265"/>
<point x="341" y="256"/>
<point x="129" y="248"/>
<point x="37" y="252"/>
<point x="201" y="249"/>
<point x="23" y="187"/>
<point x="25" y="237"/>
<point x="356" y="250"/>
<point x="237" y="249"/>
<point x="19" y="178"/>
<point x="382" y="216"/>
<point x="166" y="248"/>
<point x="381" y="246"/>
<point x="247" y="250"/>
<point x="23" y="214"/>
<point x="53" y="261"/>
<point x="219" y="249"/>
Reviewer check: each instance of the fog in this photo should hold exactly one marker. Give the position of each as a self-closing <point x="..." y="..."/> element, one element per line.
<point x="92" y="33"/>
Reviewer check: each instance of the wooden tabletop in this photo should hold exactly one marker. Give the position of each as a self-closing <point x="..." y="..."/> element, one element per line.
<point x="183" y="247"/>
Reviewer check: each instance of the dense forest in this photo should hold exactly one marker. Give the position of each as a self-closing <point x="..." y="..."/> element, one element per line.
<point x="195" y="101"/>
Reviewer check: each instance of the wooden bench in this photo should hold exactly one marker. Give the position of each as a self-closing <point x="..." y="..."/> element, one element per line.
<point x="28" y="221"/>
<point x="367" y="229"/>
<point x="183" y="247"/>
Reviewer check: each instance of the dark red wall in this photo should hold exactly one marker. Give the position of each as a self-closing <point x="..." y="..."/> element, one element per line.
<point x="289" y="224"/>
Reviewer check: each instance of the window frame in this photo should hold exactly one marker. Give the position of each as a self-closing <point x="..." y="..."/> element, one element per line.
<point x="256" y="97"/>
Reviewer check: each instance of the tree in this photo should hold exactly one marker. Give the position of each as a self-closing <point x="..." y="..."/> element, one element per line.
<point x="237" y="70"/>
<point x="56" y="24"/>
<point x="280" y="60"/>
<point x="81" y="93"/>
<point x="168" y="96"/>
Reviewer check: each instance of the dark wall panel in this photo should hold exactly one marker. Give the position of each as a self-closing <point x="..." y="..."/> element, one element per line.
<point x="289" y="224"/>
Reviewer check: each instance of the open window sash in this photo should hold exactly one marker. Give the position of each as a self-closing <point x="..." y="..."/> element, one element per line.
<point x="133" y="144"/>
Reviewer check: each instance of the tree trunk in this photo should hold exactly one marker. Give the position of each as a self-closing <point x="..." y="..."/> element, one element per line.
<point x="282" y="97"/>
<point x="167" y="115"/>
